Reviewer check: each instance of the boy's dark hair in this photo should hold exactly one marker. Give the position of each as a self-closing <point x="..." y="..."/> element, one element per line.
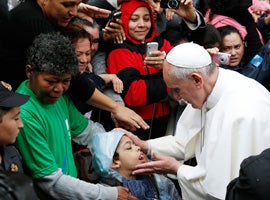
<point x="115" y="156"/>
<point x="52" y="53"/>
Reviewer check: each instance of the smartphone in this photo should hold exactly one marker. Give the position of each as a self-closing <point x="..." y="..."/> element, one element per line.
<point x="222" y="58"/>
<point x="151" y="46"/>
<point x="116" y="14"/>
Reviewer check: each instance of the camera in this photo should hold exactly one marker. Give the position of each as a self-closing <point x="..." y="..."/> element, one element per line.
<point x="222" y="58"/>
<point x="173" y="4"/>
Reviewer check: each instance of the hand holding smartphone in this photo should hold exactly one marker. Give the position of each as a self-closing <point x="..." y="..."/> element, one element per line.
<point x="151" y="46"/>
<point x="116" y="14"/>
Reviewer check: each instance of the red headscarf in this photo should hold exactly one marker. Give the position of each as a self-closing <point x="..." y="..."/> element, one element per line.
<point x="127" y="9"/>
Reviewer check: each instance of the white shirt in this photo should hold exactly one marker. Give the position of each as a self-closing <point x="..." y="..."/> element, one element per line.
<point x="235" y="122"/>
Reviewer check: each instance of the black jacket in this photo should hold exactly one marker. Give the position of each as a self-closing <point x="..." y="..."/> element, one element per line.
<point x="253" y="182"/>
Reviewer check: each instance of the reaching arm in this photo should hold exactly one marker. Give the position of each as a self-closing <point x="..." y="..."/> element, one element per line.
<point x="86" y="11"/>
<point x="126" y="117"/>
<point x="61" y="186"/>
<point x="117" y="84"/>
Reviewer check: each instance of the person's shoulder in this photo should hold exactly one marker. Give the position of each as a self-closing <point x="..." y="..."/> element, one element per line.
<point x="28" y="5"/>
<point x="26" y="13"/>
<point x="11" y="150"/>
<point x="256" y="170"/>
<point x="264" y="157"/>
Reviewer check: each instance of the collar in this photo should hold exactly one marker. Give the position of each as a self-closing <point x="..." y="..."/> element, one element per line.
<point x="216" y="92"/>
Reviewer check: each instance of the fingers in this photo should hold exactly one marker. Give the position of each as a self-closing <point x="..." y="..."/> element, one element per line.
<point x="212" y="51"/>
<point x="145" y="168"/>
<point x="156" y="59"/>
<point x="127" y="118"/>
<point x="120" y="37"/>
<point x="139" y="122"/>
<point x="93" y="11"/>
<point x="116" y="124"/>
<point x="114" y="31"/>
<point x="169" y="14"/>
<point x="118" y="86"/>
<point x="186" y="2"/>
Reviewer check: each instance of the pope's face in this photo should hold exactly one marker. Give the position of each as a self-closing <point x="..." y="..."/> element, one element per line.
<point x="188" y="89"/>
<point x="60" y="12"/>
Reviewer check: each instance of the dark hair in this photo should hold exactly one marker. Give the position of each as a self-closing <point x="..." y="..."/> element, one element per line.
<point x="75" y="31"/>
<point x="84" y="22"/>
<point x="115" y="156"/>
<point x="52" y="53"/>
<point x="208" y="37"/>
<point x="3" y="111"/>
<point x="227" y="30"/>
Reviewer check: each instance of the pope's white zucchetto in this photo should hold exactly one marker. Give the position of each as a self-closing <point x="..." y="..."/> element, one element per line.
<point x="189" y="55"/>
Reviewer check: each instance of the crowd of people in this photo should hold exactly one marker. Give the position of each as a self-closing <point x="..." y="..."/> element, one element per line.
<point x="177" y="123"/>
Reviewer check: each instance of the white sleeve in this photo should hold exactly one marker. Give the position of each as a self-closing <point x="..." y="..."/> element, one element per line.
<point x="192" y="188"/>
<point x="200" y="20"/>
<point x="166" y="146"/>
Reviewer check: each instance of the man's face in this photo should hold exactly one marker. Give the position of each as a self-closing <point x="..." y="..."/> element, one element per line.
<point x="184" y="89"/>
<point x="48" y="87"/>
<point x="157" y="10"/>
<point x="94" y="32"/>
<point x="130" y="155"/>
<point x="139" y="24"/>
<point x="60" y="12"/>
<point x="233" y="45"/>
<point x="83" y="52"/>
<point x="10" y="126"/>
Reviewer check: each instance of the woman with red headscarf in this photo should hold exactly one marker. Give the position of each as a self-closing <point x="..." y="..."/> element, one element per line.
<point x="144" y="88"/>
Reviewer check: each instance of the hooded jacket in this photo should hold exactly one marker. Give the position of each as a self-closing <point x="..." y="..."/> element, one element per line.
<point x="144" y="87"/>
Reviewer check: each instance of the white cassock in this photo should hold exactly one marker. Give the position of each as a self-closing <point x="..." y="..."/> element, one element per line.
<point x="233" y="124"/>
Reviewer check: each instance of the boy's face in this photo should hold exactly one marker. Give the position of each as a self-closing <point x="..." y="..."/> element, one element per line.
<point x="10" y="126"/>
<point x="130" y="155"/>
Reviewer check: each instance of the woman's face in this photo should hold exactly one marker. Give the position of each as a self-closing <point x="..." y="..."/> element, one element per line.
<point x="233" y="45"/>
<point x="60" y="12"/>
<point x="139" y="24"/>
<point x="83" y="51"/>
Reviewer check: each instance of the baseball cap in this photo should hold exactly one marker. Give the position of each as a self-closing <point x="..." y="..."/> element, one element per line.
<point x="10" y="99"/>
<point x="189" y="55"/>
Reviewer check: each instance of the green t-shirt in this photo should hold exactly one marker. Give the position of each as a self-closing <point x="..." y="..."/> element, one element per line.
<point x="45" y="139"/>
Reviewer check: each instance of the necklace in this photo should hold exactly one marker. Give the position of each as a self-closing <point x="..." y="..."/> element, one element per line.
<point x="203" y="120"/>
